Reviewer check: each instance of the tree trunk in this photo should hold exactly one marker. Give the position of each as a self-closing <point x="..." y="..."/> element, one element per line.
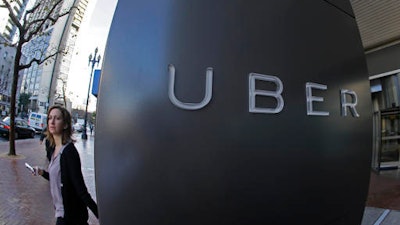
<point x="14" y="86"/>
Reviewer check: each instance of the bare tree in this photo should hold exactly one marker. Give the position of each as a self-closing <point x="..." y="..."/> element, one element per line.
<point x="33" y="25"/>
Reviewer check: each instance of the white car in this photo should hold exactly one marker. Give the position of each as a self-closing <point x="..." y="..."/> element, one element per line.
<point x="78" y="127"/>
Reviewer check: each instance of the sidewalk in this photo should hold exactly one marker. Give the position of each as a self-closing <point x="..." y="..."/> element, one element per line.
<point x="25" y="199"/>
<point x="383" y="202"/>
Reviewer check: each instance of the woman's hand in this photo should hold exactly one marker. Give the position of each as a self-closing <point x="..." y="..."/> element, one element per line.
<point x="38" y="171"/>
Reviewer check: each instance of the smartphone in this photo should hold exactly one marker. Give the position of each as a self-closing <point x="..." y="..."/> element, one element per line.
<point x="30" y="168"/>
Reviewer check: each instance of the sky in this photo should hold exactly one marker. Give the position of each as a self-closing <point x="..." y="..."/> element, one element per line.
<point x="93" y="33"/>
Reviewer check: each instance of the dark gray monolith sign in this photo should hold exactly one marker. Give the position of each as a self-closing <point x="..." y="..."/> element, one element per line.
<point x="233" y="112"/>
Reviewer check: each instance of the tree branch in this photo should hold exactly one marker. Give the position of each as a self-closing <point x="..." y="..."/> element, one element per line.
<point x="33" y="9"/>
<point x="30" y="11"/>
<point x="12" y="15"/>
<point x="39" y="61"/>
<point x="8" y="44"/>
<point x="38" y="24"/>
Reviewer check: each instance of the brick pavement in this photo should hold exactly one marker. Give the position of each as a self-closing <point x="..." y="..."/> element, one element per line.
<point x="25" y="199"/>
<point x="383" y="201"/>
<point x="384" y="190"/>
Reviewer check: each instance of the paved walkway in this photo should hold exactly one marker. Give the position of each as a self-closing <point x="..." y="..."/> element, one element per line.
<point x="25" y="199"/>
<point x="383" y="202"/>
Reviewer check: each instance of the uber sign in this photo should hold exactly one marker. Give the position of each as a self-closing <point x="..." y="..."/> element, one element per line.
<point x="276" y="94"/>
<point x="233" y="112"/>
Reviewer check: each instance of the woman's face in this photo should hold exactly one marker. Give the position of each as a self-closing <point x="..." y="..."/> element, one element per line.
<point x="55" y="122"/>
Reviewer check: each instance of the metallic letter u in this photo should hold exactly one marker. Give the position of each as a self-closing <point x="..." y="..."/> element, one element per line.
<point x="189" y="105"/>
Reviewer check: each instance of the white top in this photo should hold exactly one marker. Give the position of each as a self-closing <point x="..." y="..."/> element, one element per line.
<point x="55" y="183"/>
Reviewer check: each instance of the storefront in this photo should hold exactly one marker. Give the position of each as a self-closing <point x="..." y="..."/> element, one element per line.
<point x="385" y="91"/>
<point x="4" y="105"/>
<point x="383" y="68"/>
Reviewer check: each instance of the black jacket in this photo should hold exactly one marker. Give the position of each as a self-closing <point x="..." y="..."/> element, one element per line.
<point x="76" y="197"/>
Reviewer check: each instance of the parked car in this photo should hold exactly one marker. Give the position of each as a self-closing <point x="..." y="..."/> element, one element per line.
<point x="78" y="127"/>
<point x="22" y="129"/>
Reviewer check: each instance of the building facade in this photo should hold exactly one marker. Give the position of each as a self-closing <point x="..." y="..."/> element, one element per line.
<point x="6" y="73"/>
<point x="7" y="28"/>
<point x="8" y="31"/>
<point x="47" y="83"/>
<point x="379" y="22"/>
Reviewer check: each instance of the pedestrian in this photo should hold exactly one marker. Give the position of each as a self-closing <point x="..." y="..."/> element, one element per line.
<point x="67" y="187"/>
<point x="91" y="128"/>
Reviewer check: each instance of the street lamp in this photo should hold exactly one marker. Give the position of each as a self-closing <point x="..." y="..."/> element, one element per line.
<point x="93" y="61"/>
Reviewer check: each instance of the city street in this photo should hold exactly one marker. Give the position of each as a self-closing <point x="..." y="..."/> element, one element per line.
<point x="25" y="199"/>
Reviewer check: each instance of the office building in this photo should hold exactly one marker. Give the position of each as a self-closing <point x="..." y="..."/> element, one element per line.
<point x="7" y="55"/>
<point x="47" y="82"/>
<point x="8" y="32"/>
<point x="7" y="28"/>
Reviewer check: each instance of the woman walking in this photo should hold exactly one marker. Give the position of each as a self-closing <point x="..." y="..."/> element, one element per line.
<point x="68" y="189"/>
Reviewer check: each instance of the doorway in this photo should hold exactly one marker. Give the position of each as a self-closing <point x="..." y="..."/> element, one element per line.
<point x="386" y="139"/>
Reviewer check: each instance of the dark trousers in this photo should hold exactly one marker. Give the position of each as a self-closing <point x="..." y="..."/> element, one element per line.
<point x="60" y="221"/>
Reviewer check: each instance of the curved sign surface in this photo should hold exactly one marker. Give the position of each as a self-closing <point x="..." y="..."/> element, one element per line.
<point x="233" y="112"/>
